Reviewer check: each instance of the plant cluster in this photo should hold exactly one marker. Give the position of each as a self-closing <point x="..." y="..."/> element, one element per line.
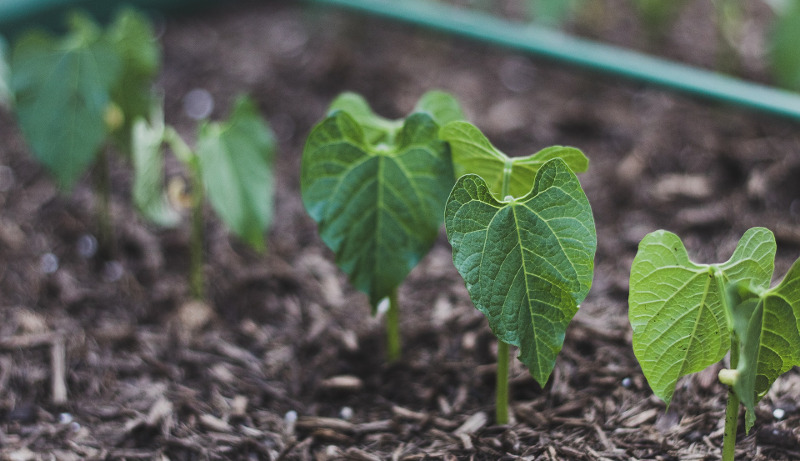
<point x="523" y="239"/>
<point x="79" y="96"/>
<point x="521" y="229"/>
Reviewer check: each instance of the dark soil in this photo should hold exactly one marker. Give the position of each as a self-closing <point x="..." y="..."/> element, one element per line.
<point x="287" y="363"/>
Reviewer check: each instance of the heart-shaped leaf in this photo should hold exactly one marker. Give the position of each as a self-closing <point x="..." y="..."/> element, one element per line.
<point x="473" y="153"/>
<point x="61" y="89"/>
<point x="236" y="166"/>
<point x="527" y="262"/>
<point x="676" y="307"/>
<point x="377" y="193"/>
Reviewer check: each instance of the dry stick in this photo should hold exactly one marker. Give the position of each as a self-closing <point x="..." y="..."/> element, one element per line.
<point x="55" y="340"/>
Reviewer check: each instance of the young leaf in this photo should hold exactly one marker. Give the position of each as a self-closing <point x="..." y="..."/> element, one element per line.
<point x="473" y="153"/>
<point x="442" y="106"/>
<point x="378" y="197"/>
<point x="768" y="328"/>
<point x="676" y="310"/>
<point x="236" y="167"/>
<point x="527" y="262"/>
<point x="133" y="39"/>
<point x="148" y="160"/>
<point x="61" y="88"/>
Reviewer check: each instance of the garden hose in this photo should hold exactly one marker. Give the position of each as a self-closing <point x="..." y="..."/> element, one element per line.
<point x="553" y="44"/>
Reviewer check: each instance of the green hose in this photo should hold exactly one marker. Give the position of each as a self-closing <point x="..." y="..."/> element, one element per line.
<point x="556" y="45"/>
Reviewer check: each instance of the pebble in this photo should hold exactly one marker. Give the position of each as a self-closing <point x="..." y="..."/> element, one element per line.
<point x="778" y="413"/>
<point x="87" y="246"/>
<point x="48" y="263"/>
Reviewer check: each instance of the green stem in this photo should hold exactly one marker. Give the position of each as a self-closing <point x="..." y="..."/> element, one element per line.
<point x="501" y="399"/>
<point x="731" y="410"/>
<point x="105" y="231"/>
<point x="393" y="347"/>
<point x="196" y="247"/>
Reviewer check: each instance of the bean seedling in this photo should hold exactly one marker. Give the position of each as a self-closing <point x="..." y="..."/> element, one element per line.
<point x="377" y="188"/>
<point x="686" y="317"/>
<point x="231" y="166"/>
<point x="524" y="240"/>
<point x="72" y="95"/>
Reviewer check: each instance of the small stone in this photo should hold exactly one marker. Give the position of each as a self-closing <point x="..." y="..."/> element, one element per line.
<point x="627" y="383"/>
<point x="48" y="263"/>
<point x="778" y="413"/>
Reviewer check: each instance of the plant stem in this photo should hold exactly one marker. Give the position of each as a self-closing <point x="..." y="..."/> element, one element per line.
<point x="501" y="399"/>
<point x="105" y="231"/>
<point x="731" y="410"/>
<point x="196" y="247"/>
<point x="393" y="347"/>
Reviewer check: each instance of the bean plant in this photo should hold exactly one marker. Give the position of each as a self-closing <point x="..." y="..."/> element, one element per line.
<point x="524" y="240"/>
<point x="77" y="94"/>
<point x="231" y="166"/>
<point x="687" y="317"/>
<point x="376" y="188"/>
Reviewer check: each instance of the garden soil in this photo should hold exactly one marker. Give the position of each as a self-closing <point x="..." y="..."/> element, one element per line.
<point x="105" y="356"/>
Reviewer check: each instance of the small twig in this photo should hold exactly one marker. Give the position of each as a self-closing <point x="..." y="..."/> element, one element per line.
<point x="58" y="357"/>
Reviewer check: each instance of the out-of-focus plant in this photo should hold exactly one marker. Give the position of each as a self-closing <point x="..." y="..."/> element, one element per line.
<point x="657" y="16"/>
<point x="552" y="12"/>
<point x="74" y="95"/>
<point x="784" y="52"/>
<point x="231" y="167"/>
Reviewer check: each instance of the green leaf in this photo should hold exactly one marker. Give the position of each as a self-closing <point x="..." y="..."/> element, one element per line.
<point x="236" y="167"/>
<point x="676" y="307"/>
<point x="61" y="88"/>
<point x="148" y="160"/>
<point x="378" y="197"/>
<point x="768" y="329"/>
<point x="747" y="313"/>
<point x="527" y="262"/>
<point x="442" y="106"/>
<point x="785" y="36"/>
<point x="376" y="129"/>
<point x="474" y="154"/>
<point x="133" y="39"/>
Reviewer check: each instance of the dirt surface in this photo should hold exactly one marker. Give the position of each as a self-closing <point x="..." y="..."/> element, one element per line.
<point x="287" y="362"/>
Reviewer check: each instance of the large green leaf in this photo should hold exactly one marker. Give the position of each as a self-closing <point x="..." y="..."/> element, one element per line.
<point x="474" y="154"/>
<point x="61" y="88"/>
<point x="527" y="262"/>
<point x="378" y="197"/>
<point x="768" y="328"/>
<point x="236" y="167"/>
<point x="133" y="39"/>
<point x="148" y="165"/>
<point x="676" y="307"/>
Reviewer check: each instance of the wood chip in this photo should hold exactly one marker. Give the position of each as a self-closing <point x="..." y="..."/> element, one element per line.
<point x="473" y="424"/>
<point x="213" y="423"/>
<point x="641" y="418"/>
<point x="343" y="383"/>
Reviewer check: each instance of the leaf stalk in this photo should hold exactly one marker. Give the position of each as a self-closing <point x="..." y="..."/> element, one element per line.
<point x="501" y="398"/>
<point x="393" y="346"/>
